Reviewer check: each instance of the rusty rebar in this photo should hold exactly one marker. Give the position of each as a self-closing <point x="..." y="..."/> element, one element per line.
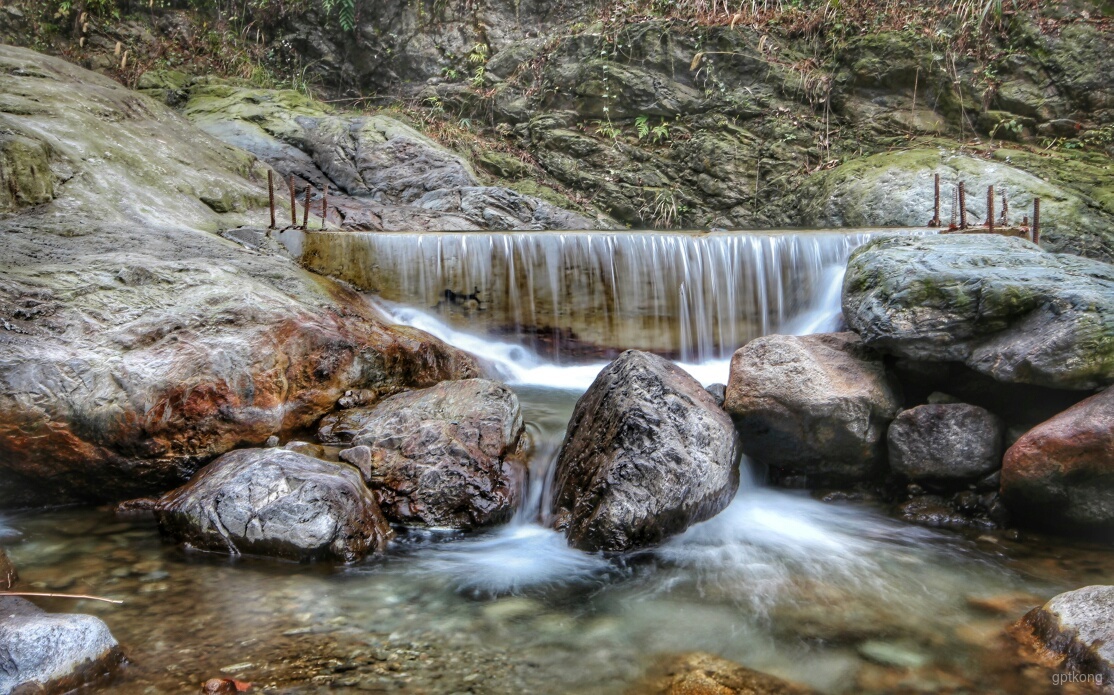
<point x="936" y="206"/>
<point x="324" y="206"/>
<point x="293" y="203"/>
<point x="990" y="209"/>
<point x="1037" y="221"/>
<point x="271" y="195"/>
<point x="1005" y="209"/>
<point x="962" y="206"/>
<point x="305" y="208"/>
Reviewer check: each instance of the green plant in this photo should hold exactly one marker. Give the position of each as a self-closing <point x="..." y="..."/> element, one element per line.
<point x="608" y="130"/>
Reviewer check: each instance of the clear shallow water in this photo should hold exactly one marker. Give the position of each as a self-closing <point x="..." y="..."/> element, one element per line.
<point x="833" y="595"/>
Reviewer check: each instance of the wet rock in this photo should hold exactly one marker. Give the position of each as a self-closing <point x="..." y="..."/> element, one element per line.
<point x="893" y="654"/>
<point x="278" y="503"/>
<point x="52" y="652"/>
<point x="648" y="452"/>
<point x="814" y="406"/>
<point x="137" y="344"/>
<point x="445" y="456"/>
<point x="1075" y="629"/>
<point x="25" y="175"/>
<point x="997" y="304"/>
<point x="965" y="509"/>
<point x="361" y="458"/>
<point x="306" y="448"/>
<point x="718" y="392"/>
<point x="699" y="673"/>
<point x="1061" y="473"/>
<point x="952" y="442"/>
<point x="8" y="575"/>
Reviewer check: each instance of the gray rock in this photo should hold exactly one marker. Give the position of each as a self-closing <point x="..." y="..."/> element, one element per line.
<point x="815" y="406"/>
<point x="51" y="652"/>
<point x="952" y="442"/>
<point x="8" y="575"/>
<point x="278" y="503"/>
<point x="1078" y="627"/>
<point x="718" y="392"/>
<point x="648" y="453"/>
<point x="361" y="458"/>
<point x="997" y="304"/>
<point x="445" y="456"/>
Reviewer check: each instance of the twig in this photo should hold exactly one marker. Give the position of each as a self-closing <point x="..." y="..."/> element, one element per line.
<point x="75" y="596"/>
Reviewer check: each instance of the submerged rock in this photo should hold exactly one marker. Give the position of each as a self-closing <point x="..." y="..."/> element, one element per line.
<point x="443" y="456"/>
<point x="699" y="673"/>
<point x="1060" y="474"/>
<point x="947" y="442"/>
<point x="278" y="503"/>
<point x="1075" y="629"/>
<point x="814" y="406"/>
<point x="648" y="452"/>
<point x="997" y="304"/>
<point x="8" y="575"/>
<point x="137" y="345"/>
<point x="51" y="652"/>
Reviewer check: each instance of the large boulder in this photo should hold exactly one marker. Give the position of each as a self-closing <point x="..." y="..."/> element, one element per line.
<point x="698" y="673"/>
<point x="946" y="442"/>
<point x="44" y="652"/>
<point x="446" y="456"/>
<point x="1060" y="474"/>
<point x="1000" y="305"/>
<point x="8" y="575"/>
<point x="1074" y="632"/>
<point x="277" y="503"/>
<point x="136" y="344"/>
<point x="648" y="452"/>
<point x="813" y="407"/>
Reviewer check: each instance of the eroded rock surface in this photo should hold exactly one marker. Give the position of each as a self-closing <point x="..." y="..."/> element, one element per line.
<point x="999" y="305"/>
<point x="277" y="503"/>
<point x="446" y="456"/>
<point x="648" y="452"/>
<point x="812" y="407"/>
<point x="945" y="442"/>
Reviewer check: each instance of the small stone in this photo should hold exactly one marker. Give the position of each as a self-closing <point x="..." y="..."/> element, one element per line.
<point x="892" y="654"/>
<point x="272" y="442"/>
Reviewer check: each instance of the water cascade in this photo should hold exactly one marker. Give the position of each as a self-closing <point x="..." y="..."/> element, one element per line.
<point x="691" y="296"/>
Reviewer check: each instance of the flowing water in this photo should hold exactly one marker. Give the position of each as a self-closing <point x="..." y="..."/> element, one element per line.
<point x="837" y="596"/>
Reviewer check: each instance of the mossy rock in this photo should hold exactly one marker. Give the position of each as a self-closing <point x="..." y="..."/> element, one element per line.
<point x="502" y="165"/>
<point x="25" y="176"/>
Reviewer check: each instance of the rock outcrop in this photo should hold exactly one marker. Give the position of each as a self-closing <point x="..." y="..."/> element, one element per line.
<point x="44" y="652"/>
<point x="1060" y="474"/>
<point x="648" y="452"/>
<point x="8" y="575"/>
<point x="135" y="345"/>
<point x="445" y="456"/>
<point x="706" y="674"/>
<point x="814" y="408"/>
<point x="1075" y="631"/>
<point x="947" y="442"/>
<point x="276" y="503"/>
<point x="997" y="304"/>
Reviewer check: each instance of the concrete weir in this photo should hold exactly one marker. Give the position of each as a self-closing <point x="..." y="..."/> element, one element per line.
<point x="691" y="295"/>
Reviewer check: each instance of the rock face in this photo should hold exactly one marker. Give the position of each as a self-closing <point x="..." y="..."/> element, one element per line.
<point x="443" y="456"/>
<point x="997" y="304"/>
<point x="950" y="442"/>
<point x="8" y="575"/>
<point x="1061" y="473"/>
<point x="48" y="652"/>
<point x="134" y="345"/>
<point x="706" y="674"/>
<point x="1077" y="627"/>
<point x="814" y="406"/>
<point x="648" y="453"/>
<point x="383" y="174"/>
<point x="277" y="503"/>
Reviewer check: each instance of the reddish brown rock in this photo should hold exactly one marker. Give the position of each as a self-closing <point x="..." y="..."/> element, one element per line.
<point x="1061" y="473"/>
<point x="706" y="674"/>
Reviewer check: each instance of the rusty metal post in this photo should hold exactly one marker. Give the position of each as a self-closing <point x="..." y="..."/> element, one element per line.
<point x="324" y="206"/>
<point x="271" y="195"/>
<point x="1037" y="221"/>
<point x="1005" y="209"/>
<point x="990" y="209"/>
<point x="293" y="204"/>
<point x="936" y="205"/>
<point x="962" y="206"/>
<point x="305" y="208"/>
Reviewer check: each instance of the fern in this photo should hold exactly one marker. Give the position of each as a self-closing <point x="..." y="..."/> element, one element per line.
<point x="347" y="14"/>
<point x="642" y="123"/>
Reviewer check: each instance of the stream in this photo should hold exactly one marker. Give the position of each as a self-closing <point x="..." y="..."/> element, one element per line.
<point x="834" y="595"/>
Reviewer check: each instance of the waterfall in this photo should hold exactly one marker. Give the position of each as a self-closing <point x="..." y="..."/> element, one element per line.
<point x="576" y="295"/>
